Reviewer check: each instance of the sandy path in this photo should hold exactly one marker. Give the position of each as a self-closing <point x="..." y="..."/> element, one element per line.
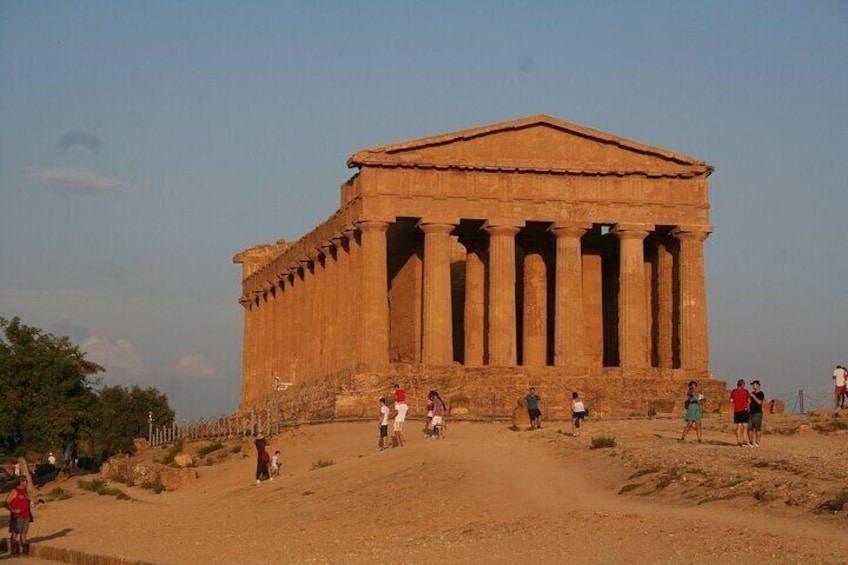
<point x="486" y="494"/>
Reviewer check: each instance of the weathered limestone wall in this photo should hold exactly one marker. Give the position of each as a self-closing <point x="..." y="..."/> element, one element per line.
<point x="493" y="393"/>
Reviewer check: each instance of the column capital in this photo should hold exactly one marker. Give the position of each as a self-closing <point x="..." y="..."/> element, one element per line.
<point x="500" y="229"/>
<point x="692" y="233"/>
<point x="632" y="231"/>
<point x="569" y="229"/>
<point x="372" y="226"/>
<point x="436" y="227"/>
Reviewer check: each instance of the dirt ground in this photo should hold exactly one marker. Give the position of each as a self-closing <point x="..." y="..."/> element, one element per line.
<point x="488" y="494"/>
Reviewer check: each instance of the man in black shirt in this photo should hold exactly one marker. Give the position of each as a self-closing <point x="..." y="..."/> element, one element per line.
<point x="755" y="424"/>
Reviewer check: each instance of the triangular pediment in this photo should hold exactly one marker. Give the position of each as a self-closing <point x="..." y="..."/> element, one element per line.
<point x="538" y="143"/>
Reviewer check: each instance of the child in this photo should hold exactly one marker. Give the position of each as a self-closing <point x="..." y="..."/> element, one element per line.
<point x="578" y="413"/>
<point x="429" y="418"/>
<point x="438" y="421"/>
<point x="384" y="425"/>
<point x="275" y="465"/>
<point x="693" y="412"/>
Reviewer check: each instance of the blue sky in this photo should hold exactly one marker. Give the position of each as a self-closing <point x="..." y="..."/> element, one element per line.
<point x="143" y="144"/>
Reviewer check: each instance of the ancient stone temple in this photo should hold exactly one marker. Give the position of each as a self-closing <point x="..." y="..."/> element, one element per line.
<point x="531" y="252"/>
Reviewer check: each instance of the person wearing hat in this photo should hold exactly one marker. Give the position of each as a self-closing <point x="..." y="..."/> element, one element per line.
<point x="18" y="502"/>
<point x="51" y="459"/>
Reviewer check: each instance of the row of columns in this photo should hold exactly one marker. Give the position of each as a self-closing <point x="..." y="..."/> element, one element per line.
<point x="569" y="339"/>
<point x="489" y="319"/>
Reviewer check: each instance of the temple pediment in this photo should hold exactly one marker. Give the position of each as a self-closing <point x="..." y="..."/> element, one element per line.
<point x="534" y="144"/>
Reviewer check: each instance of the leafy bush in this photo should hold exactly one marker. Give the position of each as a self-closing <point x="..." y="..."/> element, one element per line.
<point x="235" y="449"/>
<point x="43" y="470"/>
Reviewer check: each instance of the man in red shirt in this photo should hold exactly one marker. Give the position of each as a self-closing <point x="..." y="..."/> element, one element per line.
<point x="741" y="398"/>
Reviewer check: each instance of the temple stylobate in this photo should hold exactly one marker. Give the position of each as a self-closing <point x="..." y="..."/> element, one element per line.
<point x="531" y="251"/>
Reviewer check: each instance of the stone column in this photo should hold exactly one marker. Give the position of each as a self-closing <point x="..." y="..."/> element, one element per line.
<point x="569" y="351"/>
<point x="694" y="346"/>
<point x="247" y="304"/>
<point x="665" y="303"/>
<point x="437" y="328"/>
<point x="632" y="304"/>
<point x="535" y="327"/>
<point x="502" y="328"/>
<point x="474" y="312"/>
<point x="374" y="323"/>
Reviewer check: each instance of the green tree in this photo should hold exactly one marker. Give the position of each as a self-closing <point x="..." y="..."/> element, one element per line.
<point x="124" y="416"/>
<point x="46" y="389"/>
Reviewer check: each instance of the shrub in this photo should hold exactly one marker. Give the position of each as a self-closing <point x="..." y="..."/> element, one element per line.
<point x="102" y="489"/>
<point x="322" y="463"/>
<point x="175" y="450"/>
<point x="59" y="493"/>
<point x="211" y="448"/>
<point x="88" y="463"/>
<point x="629" y="487"/>
<point x="835" y="504"/>
<point x="154" y="484"/>
<point x="643" y="472"/>
<point x="43" y="470"/>
<point x="602" y="442"/>
<point x="235" y="449"/>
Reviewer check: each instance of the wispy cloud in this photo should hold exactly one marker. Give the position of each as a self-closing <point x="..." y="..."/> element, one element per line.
<point x="121" y="356"/>
<point x="75" y="181"/>
<point x="79" y="137"/>
<point x="195" y="365"/>
<point x="118" y="356"/>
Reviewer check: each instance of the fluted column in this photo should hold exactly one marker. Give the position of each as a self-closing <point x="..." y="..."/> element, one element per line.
<point x="374" y="324"/>
<point x="475" y="300"/>
<point x="502" y="327"/>
<point x="534" y="334"/>
<point x="569" y="342"/>
<point x="632" y="303"/>
<point x="665" y="303"/>
<point x="694" y="345"/>
<point x="437" y="328"/>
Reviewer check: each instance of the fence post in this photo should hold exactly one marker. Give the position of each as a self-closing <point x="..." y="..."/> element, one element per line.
<point x="801" y="401"/>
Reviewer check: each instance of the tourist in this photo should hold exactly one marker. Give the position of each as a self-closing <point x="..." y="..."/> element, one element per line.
<point x="16" y="469"/>
<point x="840" y="377"/>
<point x="18" y="502"/>
<point x="741" y="398"/>
<point x="533" y="401"/>
<point x="438" y="421"/>
<point x="275" y="465"/>
<point x="51" y="459"/>
<point x="693" y="412"/>
<point x="384" y="425"/>
<point x="429" y="417"/>
<point x="399" y="414"/>
<point x="578" y="413"/>
<point x="755" y="421"/>
<point x="260" y="451"/>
